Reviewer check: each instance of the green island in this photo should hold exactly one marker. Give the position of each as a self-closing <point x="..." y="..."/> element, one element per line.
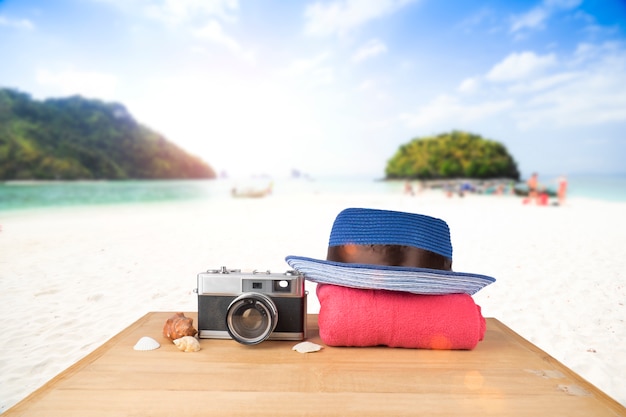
<point x="76" y="138"/>
<point x="453" y="155"/>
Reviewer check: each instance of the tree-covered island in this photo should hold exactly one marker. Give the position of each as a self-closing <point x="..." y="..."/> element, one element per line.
<point x="76" y="138"/>
<point x="450" y="156"/>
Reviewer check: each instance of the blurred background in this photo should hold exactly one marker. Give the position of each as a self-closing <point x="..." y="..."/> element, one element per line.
<point x="332" y="89"/>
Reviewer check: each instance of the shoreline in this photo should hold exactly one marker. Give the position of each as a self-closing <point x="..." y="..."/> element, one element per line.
<point x="52" y="194"/>
<point x="66" y="272"/>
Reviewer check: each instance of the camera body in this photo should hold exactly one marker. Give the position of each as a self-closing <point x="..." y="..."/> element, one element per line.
<point x="251" y="307"/>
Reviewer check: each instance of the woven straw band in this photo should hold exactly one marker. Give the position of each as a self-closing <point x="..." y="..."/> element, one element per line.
<point x="359" y="226"/>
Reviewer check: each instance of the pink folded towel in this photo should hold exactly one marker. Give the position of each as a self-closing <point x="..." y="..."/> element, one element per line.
<point x="358" y="317"/>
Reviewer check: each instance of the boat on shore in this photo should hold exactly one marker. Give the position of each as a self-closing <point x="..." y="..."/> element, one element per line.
<point x="251" y="192"/>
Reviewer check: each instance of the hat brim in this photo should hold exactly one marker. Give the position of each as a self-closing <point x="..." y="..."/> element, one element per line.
<point x="392" y="278"/>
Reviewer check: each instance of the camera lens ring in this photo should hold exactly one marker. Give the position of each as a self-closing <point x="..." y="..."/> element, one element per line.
<point x="251" y="318"/>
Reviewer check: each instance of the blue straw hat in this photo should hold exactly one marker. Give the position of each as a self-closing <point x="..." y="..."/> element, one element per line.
<point x="365" y="231"/>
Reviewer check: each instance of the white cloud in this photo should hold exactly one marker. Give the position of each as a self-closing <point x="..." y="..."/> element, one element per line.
<point x="562" y="4"/>
<point x="86" y="83"/>
<point x="176" y="12"/>
<point x="371" y="49"/>
<point x="469" y="85"/>
<point x="314" y="71"/>
<point x="16" y="23"/>
<point x="536" y="17"/>
<point x="213" y="32"/>
<point x="594" y="95"/>
<point x="342" y="16"/>
<point x="588" y="52"/>
<point x="544" y="83"/>
<point x="450" y="111"/>
<point x="182" y="11"/>
<point x="586" y="88"/>
<point x="533" y="19"/>
<point x="366" y="85"/>
<point x="522" y="65"/>
<point x="305" y="65"/>
<point x="202" y="18"/>
<point x="376" y="91"/>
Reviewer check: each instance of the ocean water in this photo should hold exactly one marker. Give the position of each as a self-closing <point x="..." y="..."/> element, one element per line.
<point x="599" y="187"/>
<point x="35" y="194"/>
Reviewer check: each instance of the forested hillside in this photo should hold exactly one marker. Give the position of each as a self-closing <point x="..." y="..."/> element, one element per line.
<point x="76" y="138"/>
<point x="452" y="155"/>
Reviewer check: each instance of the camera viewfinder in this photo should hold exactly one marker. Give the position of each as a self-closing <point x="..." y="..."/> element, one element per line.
<point x="282" y="285"/>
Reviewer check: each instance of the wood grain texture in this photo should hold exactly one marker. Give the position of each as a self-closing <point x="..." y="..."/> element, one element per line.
<point x="504" y="375"/>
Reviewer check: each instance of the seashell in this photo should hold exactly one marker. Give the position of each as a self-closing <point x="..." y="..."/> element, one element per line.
<point x="146" y="343"/>
<point x="178" y="326"/>
<point x="187" y="344"/>
<point x="307" y="347"/>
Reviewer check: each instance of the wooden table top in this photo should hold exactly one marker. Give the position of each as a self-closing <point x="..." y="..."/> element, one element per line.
<point x="504" y="375"/>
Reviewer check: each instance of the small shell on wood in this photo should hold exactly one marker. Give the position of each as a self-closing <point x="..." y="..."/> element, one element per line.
<point x="307" y="347"/>
<point x="146" y="343"/>
<point x="178" y="326"/>
<point x="187" y="344"/>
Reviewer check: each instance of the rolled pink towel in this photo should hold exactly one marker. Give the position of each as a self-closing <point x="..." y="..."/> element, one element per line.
<point x="359" y="317"/>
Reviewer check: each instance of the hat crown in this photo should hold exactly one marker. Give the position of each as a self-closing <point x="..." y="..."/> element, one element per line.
<point x="358" y="226"/>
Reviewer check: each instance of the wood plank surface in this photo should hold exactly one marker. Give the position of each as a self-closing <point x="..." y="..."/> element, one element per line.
<point x="504" y="375"/>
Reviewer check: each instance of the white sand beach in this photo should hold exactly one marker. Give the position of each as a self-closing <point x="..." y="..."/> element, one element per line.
<point x="71" y="278"/>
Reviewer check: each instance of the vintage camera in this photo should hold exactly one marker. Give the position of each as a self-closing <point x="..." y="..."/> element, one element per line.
<point x="251" y="307"/>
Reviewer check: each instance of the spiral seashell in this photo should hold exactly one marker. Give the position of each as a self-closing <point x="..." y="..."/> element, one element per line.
<point x="146" y="343"/>
<point x="187" y="344"/>
<point x="178" y="326"/>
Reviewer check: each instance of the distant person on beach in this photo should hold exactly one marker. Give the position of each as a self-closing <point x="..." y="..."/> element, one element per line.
<point x="561" y="190"/>
<point x="408" y="188"/>
<point x="532" y="184"/>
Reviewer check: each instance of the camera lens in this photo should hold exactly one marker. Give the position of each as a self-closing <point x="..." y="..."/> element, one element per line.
<point x="251" y="318"/>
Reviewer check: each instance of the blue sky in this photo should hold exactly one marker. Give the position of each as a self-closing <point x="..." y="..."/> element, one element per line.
<point x="334" y="87"/>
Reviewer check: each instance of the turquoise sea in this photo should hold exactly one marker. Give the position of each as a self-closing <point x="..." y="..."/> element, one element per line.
<point x="35" y="194"/>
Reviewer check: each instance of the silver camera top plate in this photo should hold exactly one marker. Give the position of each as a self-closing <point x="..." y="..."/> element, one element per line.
<point x="233" y="282"/>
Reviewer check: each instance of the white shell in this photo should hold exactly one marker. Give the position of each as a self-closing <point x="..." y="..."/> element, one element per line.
<point x="146" y="343"/>
<point x="307" y="347"/>
<point x="187" y="344"/>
